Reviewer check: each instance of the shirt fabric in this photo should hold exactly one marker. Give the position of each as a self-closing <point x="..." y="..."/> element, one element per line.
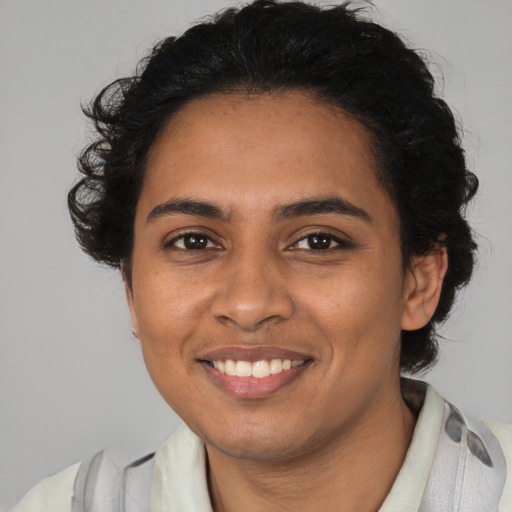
<point x="453" y="464"/>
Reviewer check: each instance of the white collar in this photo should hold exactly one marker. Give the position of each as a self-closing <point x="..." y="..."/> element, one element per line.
<point x="409" y="486"/>
<point x="180" y="482"/>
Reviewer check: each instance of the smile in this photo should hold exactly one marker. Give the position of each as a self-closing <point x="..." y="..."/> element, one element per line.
<point x="253" y="372"/>
<point x="258" y="369"/>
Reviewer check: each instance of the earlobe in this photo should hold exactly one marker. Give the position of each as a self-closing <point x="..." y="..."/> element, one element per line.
<point x="130" y="301"/>
<point x="422" y="288"/>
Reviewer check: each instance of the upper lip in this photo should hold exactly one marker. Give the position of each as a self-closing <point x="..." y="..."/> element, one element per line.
<point x="251" y="354"/>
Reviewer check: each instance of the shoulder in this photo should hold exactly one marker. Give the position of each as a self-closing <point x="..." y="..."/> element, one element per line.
<point x="503" y="434"/>
<point x="53" y="493"/>
<point x="453" y="458"/>
<point x="472" y="465"/>
<point x="94" y="484"/>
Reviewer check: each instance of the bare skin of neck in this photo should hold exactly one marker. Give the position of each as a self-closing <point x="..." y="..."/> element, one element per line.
<point x="355" y="472"/>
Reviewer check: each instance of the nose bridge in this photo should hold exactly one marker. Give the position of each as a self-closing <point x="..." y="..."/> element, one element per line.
<point x="253" y="291"/>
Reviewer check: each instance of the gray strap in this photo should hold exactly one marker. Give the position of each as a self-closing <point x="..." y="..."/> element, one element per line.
<point x="137" y="485"/>
<point x="102" y="487"/>
<point x="468" y="473"/>
<point x="85" y="482"/>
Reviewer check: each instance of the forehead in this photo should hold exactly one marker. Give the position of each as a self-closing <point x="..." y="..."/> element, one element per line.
<point x="258" y="151"/>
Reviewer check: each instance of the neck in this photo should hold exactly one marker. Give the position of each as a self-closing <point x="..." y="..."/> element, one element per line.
<point x="343" y="475"/>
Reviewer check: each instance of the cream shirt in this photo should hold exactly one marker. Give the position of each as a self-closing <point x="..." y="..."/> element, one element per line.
<point x="179" y="476"/>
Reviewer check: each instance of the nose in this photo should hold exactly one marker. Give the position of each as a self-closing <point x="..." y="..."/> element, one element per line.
<point x="253" y="294"/>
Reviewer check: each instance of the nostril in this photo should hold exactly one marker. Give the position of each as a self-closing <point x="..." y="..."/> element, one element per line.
<point x="252" y="312"/>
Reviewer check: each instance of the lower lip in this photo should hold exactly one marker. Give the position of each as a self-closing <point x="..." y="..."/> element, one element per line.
<point x="253" y="387"/>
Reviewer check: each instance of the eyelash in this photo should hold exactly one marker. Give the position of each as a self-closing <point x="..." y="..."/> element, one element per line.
<point x="340" y="243"/>
<point x="182" y="236"/>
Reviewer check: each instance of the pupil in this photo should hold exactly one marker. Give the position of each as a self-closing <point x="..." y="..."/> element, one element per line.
<point x="319" y="242"/>
<point x="195" y="242"/>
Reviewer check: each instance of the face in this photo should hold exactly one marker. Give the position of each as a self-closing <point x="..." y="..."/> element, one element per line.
<point x="267" y="280"/>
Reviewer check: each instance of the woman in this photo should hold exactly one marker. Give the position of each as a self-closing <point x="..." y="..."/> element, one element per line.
<point x="284" y="196"/>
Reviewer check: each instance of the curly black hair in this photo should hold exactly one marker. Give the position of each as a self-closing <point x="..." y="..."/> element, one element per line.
<point x="333" y="54"/>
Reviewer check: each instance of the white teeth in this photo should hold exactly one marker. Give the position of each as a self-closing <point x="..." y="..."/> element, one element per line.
<point x="276" y="366"/>
<point x="230" y="367"/>
<point x="243" y="369"/>
<point x="259" y="369"/>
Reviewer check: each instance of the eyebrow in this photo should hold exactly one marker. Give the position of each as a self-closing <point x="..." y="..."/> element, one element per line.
<point x="187" y="207"/>
<point x="301" y="208"/>
<point x="313" y="206"/>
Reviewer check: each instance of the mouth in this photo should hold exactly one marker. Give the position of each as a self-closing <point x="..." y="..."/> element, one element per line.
<point x="257" y="369"/>
<point x="253" y="372"/>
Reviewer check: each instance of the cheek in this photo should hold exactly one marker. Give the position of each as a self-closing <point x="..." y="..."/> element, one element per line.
<point x="168" y="311"/>
<point x="357" y="306"/>
<point x="168" y="316"/>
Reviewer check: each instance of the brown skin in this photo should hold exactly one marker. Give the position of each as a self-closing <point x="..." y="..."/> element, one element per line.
<point x="312" y="444"/>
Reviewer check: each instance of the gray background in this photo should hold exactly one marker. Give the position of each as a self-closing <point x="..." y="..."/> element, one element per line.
<point x="71" y="376"/>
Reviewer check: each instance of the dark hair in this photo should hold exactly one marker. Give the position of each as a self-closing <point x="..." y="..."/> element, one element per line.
<point x="333" y="54"/>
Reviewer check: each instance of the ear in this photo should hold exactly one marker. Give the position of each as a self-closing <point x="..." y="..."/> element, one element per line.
<point x="128" y="289"/>
<point x="422" y="288"/>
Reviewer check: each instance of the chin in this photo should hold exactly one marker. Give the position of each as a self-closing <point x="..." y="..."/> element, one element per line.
<point x="259" y="442"/>
<point x="257" y="449"/>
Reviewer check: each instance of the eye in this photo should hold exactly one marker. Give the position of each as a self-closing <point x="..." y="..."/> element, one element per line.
<point x="320" y="242"/>
<point x="192" y="241"/>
